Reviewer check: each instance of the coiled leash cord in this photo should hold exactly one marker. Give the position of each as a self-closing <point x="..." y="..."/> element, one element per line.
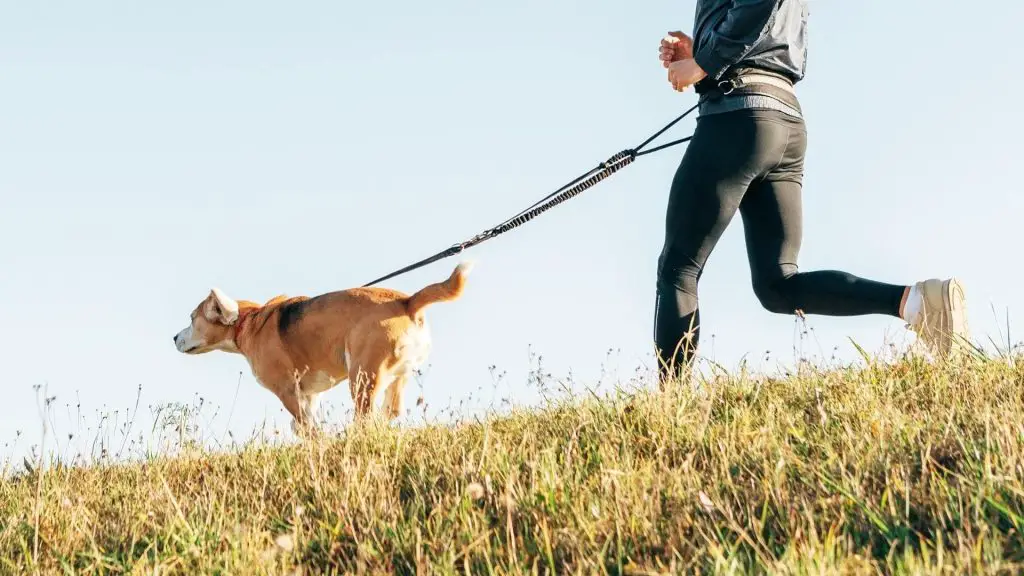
<point x="570" y="190"/>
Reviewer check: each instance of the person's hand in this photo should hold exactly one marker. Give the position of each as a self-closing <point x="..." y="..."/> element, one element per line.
<point x="675" y="46"/>
<point x="685" y="73"/>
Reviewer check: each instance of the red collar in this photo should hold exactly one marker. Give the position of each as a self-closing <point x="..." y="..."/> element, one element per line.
<point x="243" y="315"/>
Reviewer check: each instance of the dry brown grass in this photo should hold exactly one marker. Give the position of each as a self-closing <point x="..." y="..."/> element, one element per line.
<point x="905" y="468"/>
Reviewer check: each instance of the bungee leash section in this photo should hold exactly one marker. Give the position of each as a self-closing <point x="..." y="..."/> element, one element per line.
<point x="570" y="190"/>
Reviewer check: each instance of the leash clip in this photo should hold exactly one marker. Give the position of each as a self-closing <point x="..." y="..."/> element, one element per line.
<point x="731" y="86"/>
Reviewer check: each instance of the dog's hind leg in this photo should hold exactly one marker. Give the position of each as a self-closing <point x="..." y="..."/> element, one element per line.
<point x="393" y="395"/>
<point x="370" y="361"/>
<point x="365" y="385"/>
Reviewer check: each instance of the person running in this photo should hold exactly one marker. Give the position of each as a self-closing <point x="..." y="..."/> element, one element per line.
<point x="747" y="155"/>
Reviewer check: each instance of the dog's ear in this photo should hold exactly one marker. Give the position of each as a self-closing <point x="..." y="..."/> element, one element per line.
<point x="222" y="308"/>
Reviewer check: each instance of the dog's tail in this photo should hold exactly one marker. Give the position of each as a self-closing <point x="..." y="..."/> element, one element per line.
<point x="445" y="291"/>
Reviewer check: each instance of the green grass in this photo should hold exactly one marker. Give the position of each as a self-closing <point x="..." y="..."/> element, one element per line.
<point x="905" y="469"/>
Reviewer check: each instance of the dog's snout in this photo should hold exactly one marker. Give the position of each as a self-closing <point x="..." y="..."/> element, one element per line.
<point x="175" y="338"/>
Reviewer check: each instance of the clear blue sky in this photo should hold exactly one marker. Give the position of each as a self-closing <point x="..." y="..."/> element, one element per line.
<point x="150" y="151"/>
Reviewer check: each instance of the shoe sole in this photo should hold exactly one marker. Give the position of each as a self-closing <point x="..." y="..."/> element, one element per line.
<point x="955" y="302"/>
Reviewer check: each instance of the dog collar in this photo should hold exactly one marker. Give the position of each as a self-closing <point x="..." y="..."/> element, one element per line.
<point x="240" y="323"/>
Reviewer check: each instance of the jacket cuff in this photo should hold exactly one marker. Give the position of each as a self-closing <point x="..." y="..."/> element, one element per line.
<point x="712" y="64"/>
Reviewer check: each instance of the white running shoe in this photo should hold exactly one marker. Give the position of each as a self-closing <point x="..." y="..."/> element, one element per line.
<point x="936" y="310"/>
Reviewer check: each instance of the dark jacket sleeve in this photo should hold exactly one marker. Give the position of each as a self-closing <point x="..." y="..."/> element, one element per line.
<point x="746" y="22"/>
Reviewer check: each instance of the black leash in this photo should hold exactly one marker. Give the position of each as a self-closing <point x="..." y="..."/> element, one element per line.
<point x="570" y="190"/>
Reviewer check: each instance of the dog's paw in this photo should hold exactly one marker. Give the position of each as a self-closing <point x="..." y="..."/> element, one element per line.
<point x="305" y="431"/>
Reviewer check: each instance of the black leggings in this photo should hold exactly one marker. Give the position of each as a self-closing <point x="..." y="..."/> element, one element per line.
<point x="751" y="160"/>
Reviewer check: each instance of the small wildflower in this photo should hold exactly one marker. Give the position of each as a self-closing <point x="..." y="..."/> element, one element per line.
<point x="285" y="542"/>
<point x="705" y="501"/>
<point x="475" y="491"/>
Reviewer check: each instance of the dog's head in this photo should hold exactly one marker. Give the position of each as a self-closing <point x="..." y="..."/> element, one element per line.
<point x="212" y="326"/>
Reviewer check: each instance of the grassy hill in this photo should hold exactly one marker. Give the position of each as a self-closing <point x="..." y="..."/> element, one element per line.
<point x="894" y="469"/>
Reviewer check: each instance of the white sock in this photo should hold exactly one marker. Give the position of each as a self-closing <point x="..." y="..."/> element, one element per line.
<point x="913" y="306"/>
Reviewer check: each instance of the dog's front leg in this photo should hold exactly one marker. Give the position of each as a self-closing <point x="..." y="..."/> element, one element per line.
<point x="308" y="404"/>
<point x="294" y="405"/>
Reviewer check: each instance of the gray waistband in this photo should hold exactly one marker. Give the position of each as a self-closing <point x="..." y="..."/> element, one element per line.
<point x="754" y="79"/>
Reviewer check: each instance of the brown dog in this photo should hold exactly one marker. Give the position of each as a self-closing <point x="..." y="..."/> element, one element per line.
<point x="300" y="347"/>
